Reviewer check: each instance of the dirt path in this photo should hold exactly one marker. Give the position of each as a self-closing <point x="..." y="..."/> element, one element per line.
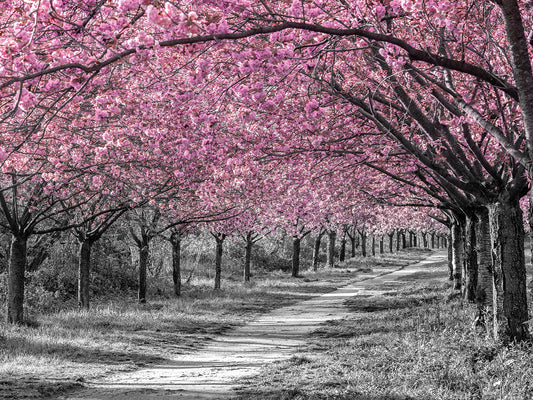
<point x="211" y="372"/>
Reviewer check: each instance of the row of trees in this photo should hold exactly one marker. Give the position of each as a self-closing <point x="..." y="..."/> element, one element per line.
<point x="316" y="105"/>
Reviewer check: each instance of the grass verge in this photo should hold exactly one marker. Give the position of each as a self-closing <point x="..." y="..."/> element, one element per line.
<point x="69" y="347"/>
<point x="415" y="342"/>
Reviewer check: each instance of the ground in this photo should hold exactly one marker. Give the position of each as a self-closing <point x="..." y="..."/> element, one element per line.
<point x="215" y="371"/>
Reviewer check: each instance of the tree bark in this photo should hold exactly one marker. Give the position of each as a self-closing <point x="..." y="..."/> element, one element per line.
<point x="391" y="239"/>
<point x="381" y="250"/>
<point x="363" y="244"/>
<point x="296" y="242"/>
<point x="485" y="276"/>
<point x="352" y="246"/>
<point x="470" y="260"/>
<point x="509" y="295"/>
<point x="398" y="238"/>
<point x="450" y="261"/>
<point x="218" y="260"/>
<point x="521" y="63"/>
<point x="457" y="254"/>
<point x="144" y="251"/>
<point x="17" y="267"/>
<point x="84" y="273"/>
<point x="404" y="241"/>
<point x="373" y="245"/>
<point x="316" y="250"/>
<point x="332" y="237"/>
<point x="247" y="257"/>
<point x="175" y="241"/>
<point x="425" y="239"/>
<point x="342" y="254"/>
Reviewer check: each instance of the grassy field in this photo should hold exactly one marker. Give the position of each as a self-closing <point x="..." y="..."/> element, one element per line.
<point x="69" y="347"/>
<point x="415" y="343"/>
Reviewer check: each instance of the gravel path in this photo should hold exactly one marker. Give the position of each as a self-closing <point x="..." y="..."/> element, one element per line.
<point x="211" y="372"/>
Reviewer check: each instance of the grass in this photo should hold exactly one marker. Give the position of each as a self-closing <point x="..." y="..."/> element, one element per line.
<point x="415" y="342"/>
<point x="64" y="349"/>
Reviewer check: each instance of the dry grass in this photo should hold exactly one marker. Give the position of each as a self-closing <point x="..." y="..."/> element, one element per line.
<point x="69" y="347"/>
<point x="413" y="343"/>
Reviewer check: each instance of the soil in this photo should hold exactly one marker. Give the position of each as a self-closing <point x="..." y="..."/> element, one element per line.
<point x="214" y="371"/>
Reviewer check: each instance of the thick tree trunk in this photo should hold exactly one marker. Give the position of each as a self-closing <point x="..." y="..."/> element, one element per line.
<point x="175" y="240"/>
<point x="144" y="251"/>
<point x="247" y="257"/>
<point x="352" y="245"/>
<point x="17" y="267"/>
<point x="415" y="239"/>
<point x="316" y="251"/>
<point x="457" y="255"/>
<point x="218" y="261"/>
<point x="432" y="240"/>
<point x="332" y="237"/>
<point x="391" y="239"/>
<point x="398" y="240"/>
<point x="450" y="261"/>
<point x="363" y="244"/>
<point x="509" y="296"/>
<point x="342" y="254"/>
<point x="425" y="239"/>
<point x="373" y="245"/>
<point x="84" y="273"/>
<point x="470" y="262"/>
<point x="296" y="242"/>
<point x="485" y="276"/>
<point x="404" y="241"/>
<point x="381" y="250"/>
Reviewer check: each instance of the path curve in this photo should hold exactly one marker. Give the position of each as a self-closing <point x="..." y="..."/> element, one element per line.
<point x="211" y="372"/>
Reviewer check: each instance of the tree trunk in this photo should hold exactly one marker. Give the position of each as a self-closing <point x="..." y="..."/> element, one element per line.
<point x="457" y="255"/>
<point x="415" y="239"/>
<point x="404" y="241"/>
<point x="398" y="236"/>
<point x="17" y="267"/>
<point x="296" y="242"/>
<point x="342" y="254"/>
<point x="144" y="251"/>
<point x="332" y="237"/>
<point x="450" y="261"/>
<point x="509" y="296"/>
<point x="432" y="240"/>
<point x="218" y="261"/>
<point x="485" y="275"/>
<point x="316" y="251"/>
<point x="84" y="273"/>
<point x="470" y="276"/>
<point x="352" y="244"/>
<point x="425" y="239"/>
<point x="381" y="245"/>
<point x="363" y="244"/>
<point x="391" y="239"/>
<point x="175" y="240"/>
<point x="247" y="257"/>
<point x="373" y="245"/>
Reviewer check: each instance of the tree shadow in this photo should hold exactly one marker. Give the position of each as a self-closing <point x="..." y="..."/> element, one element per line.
<point x="300" y="394"/>
<point x="387" y="303"/>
